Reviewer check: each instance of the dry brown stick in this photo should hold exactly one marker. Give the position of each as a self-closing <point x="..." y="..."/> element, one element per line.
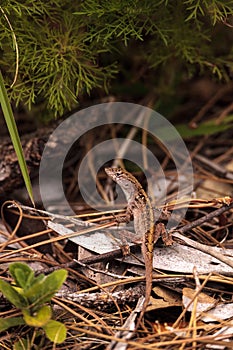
<point x="205" y="218"/>
<point x="100" y="299"/>
<point x="205" y="249"/>
<point x="92" y="259"/>
<point x="218" y="169"/>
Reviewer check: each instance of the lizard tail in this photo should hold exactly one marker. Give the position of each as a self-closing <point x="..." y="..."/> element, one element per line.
<point x="149" y="275"/>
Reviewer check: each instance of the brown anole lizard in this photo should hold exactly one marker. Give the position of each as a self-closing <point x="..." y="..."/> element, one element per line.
<point x="140" y="208"/>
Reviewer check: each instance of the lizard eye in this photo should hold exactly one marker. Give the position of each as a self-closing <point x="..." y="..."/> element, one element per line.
<point x="118" y="173"/>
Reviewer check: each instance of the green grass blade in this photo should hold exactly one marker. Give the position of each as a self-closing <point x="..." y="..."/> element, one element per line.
<point x="11" y="125"/>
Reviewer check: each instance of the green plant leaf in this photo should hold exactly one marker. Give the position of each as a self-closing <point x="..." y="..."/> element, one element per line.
<point x="207" y="128"/>
<point x="12" y="128"/>
<point x="6" y="323"/>
<point x="55" y="331"/>
<point x="40" y="318"/>
<point x="55" y="280"/>
<point x="22" y="274"/>
<point x="37" y="279"/>
<point x="12" y="295"/>
<point x="45" y="289"/>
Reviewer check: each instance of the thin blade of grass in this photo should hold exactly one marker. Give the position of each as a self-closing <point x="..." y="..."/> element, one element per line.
<point x="11" y="125"/>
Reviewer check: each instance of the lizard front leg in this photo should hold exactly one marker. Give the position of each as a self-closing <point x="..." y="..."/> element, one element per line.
<point x="128" y="216"/>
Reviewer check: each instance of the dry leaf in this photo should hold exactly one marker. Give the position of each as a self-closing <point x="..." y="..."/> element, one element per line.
<point x="207" y="307"/>
<point x="166" y="298"/>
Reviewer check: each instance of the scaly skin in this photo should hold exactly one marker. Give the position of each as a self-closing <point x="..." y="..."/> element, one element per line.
<point x="140" y="207"/>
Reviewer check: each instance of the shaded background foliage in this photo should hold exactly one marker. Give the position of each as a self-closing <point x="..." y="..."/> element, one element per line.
<point x="69" y="49"/>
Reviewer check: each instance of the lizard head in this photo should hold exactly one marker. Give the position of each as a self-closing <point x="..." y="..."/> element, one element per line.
<point x="125" y="180"/>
